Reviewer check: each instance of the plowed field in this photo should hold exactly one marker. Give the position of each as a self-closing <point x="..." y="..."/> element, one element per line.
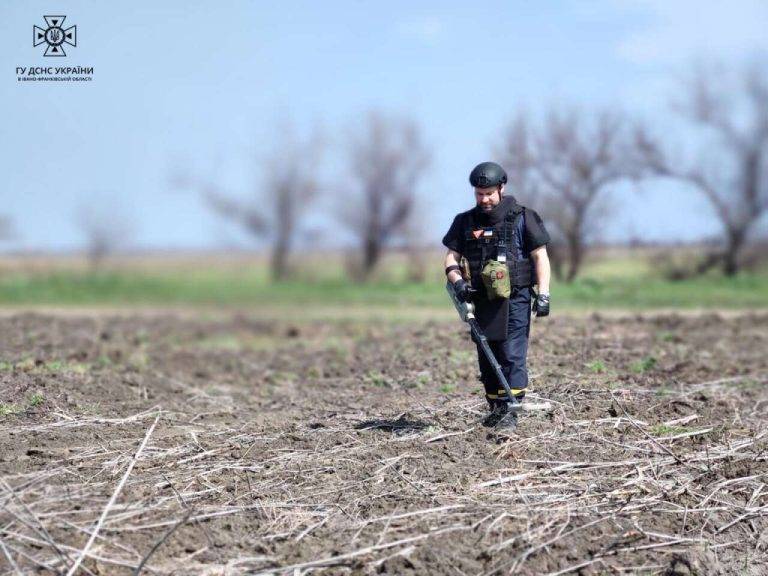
<point x="228" y="444"/>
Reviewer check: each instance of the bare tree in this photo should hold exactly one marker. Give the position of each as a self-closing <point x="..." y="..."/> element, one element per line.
<point x="289" y="187"/>
<point x="732" y="172"/>
<point x="106" y="228"/>
<point x="518" y="156"/>
<point x="388" y="157"/>
<point x="563" y="167"/>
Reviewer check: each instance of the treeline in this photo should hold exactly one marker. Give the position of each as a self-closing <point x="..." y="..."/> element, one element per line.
<point x="373" y="204"/>
<point x="562" y="162"/>
<point x="565" y="163"/>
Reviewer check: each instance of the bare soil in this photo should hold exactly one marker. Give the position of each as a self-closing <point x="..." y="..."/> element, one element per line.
<point x="350" y="447"/>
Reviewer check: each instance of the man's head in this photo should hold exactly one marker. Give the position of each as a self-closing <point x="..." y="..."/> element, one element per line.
<point x="488" y="179"/>
<point x="488" y="198"/>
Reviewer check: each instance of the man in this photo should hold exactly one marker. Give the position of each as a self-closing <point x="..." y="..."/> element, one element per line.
<point x="499" y="235"/>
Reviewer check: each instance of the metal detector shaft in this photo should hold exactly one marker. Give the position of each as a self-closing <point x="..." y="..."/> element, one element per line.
<point x="483" y="341"/>
<point x="467" y="312"/>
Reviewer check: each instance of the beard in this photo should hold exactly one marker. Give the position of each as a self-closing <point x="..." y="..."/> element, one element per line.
<point x="487" y="207"/>
<point x="495" y="214"/>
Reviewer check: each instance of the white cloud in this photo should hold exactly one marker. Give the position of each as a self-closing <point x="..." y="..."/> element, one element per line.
<point x="676" y="30"/>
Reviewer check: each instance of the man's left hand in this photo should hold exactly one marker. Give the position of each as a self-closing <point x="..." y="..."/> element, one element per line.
<point x="541" y="305"/>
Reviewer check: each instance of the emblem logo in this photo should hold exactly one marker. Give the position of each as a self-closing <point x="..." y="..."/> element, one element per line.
<point x="55" y="36"/>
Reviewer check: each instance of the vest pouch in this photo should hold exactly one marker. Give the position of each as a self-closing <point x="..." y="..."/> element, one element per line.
<point x="495" y="277"/>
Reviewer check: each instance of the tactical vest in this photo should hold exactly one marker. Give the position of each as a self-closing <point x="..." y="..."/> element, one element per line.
<point x="488" y="242"/>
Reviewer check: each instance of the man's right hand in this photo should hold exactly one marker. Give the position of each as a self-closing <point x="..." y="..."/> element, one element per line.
<point x="464" y="290"/>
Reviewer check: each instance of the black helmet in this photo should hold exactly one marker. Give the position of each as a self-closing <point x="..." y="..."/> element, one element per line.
<point x="487" y="175"/>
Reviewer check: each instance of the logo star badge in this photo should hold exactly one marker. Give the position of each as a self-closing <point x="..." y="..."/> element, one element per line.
<point x="55" y="36"/>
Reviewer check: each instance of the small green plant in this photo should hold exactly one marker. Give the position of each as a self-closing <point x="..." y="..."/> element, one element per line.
<point x="54" y="366"/>
<point x="447" y="388"/>
<point x="422" y="380"/>
<point x="597" y="366"/>
<point x="281" y="378"/>
<point x="141" y="337"/>
<point x="220" y="342"/>
<point x="667" y="336"/>
<point x="8" y="409"/>
<point x="6" y="366"/>
<point x="664" y="430"/>
<point x="646" y="364"/>
<point x="138" y="360"/>
<point x="77" y="367"/>
<point x="36" y="399"/>
<point x="103" y="361"/>
<point x="378" y="379"/>
<point x="90" y="407"/>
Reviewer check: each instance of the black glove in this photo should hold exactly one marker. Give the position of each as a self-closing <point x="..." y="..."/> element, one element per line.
<point x="464" y="290"/>
<point x="541" y="305"/>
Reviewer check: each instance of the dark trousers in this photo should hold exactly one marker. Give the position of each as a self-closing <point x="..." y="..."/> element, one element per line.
<point x="510" y="353"/>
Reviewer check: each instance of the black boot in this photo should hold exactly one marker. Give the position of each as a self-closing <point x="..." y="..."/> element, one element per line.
<point x="508" y="420"/>
<point x="498" y="410"/>
<point x="503" y="416"/>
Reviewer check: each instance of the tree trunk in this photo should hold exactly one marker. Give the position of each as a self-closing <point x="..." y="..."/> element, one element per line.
<point x="371" y="255"/>
<point x="279" y="259"/>
<point x="555" y="253"/>
<point x="734" y="244"/>
<point x="575" y="257"/>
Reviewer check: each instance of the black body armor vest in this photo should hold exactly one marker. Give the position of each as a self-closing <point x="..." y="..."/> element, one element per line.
<point x="485" y="243"/>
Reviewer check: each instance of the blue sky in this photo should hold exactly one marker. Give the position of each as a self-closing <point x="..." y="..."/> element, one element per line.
<point x="205" y="84"/>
